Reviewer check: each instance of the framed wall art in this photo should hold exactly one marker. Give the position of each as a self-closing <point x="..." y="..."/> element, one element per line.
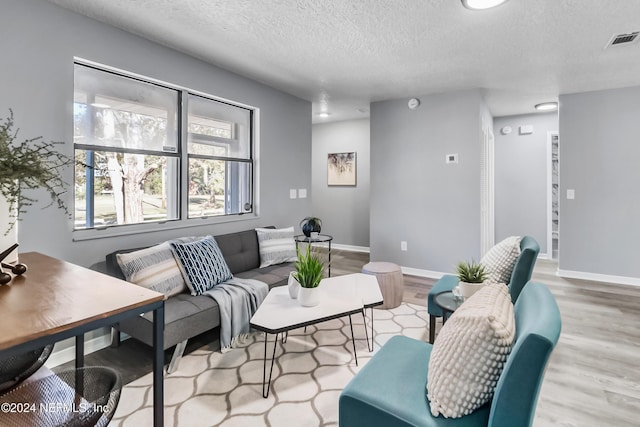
<point x="341" y="169"/>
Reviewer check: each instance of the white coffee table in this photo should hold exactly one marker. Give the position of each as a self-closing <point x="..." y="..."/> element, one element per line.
<point x="360" y="285"/>
<point x="339" y="297"/>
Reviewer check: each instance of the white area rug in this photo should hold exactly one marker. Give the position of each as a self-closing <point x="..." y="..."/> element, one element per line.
<point x="310" y="371"/>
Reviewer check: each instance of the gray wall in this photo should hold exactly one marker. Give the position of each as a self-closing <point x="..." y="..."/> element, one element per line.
<point x="344" y="210"/>
<point x="521" y="177"/>
<point x="600" y="158"/>
<point x="39" y="40"/>
<point x="415" y="196"/>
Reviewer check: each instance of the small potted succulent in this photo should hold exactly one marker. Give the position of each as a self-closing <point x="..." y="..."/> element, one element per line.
<point x="309" y="271"/>
<point x="471" y="276"/>
<point x="311" y="226"/>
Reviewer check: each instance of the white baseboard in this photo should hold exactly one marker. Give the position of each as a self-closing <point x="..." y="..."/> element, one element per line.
<point x="619" y="280"/>
<point x="544" y="256"/>
<point x="350" y="248"/>
<point x="422" y="273"/>
<point x="68" y="354"/>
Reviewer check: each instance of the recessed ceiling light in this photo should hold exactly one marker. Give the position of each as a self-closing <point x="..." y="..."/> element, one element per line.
<point x="547" y="106"/>
<point x="481" y="4"/>
<point x="324" y="115"/>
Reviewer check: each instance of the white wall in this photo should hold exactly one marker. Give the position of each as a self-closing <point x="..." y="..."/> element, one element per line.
<point x="521" y="177"/>
<point x="39" y="40"/>
<point x="344" y="210"/>
<point x="599" y="159"/>
<point x="415" y="196"/>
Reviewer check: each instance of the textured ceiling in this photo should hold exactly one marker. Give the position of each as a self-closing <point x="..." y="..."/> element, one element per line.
<point x="341" y="55"/>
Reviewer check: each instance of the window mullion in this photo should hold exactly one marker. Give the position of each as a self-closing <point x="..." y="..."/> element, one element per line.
<point x="184" y="159"/>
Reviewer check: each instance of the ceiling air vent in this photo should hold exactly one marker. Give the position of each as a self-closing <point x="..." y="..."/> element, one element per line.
<point x="623" y="39"/>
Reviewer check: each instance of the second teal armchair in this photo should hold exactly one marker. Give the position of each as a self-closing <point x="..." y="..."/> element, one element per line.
<point x="521" y="274"/>
<point x="390" y="390"/>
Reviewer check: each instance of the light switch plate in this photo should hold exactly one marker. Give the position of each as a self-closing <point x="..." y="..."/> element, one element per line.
<point x="293" y="193"/>
<point x="302" y="193"/>
<point x="571" y="194"/>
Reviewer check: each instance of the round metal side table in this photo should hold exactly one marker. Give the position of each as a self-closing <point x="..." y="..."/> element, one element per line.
<point x="321" y="238"/>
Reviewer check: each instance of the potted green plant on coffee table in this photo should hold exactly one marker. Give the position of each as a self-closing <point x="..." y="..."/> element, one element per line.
<point x="309" y="272"/>
<point x="471" y="276"/>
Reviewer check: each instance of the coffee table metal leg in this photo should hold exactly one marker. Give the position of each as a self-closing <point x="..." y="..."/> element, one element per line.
<point x="366" y="333"/>
<point x="353" y="341"/>
<point x="265" y="391"/>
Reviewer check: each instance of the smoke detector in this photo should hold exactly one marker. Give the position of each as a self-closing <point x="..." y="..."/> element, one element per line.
<point x="623" y="39"/>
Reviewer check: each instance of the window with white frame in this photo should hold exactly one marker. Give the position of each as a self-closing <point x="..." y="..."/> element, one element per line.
<point x="156" y="153"/>
<point x="219" y="157"/>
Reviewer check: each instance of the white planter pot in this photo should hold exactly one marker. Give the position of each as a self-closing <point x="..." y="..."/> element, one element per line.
<point x="294" y="286"/>
<point x="468" y="289"/>
<point x="8" y="239"/>
<point x="309" y="297"/>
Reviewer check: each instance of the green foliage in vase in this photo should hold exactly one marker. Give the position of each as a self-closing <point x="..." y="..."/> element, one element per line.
<point x="27" y="165"/>
<point x="309" y="269"/>
<point x="471" y="272"/>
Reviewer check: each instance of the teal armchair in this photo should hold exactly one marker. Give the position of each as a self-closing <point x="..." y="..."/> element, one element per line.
<point x="521" y="274"/>
<point x="390" y="390"/>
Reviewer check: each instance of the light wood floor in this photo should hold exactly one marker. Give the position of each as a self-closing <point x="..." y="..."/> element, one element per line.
<point x="593" y="376"/>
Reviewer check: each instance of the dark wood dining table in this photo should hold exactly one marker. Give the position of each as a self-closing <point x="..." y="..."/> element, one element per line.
<point x="55" y="300"/>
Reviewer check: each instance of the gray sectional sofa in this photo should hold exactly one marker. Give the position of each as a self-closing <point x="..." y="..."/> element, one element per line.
<point x="187" y="316"/>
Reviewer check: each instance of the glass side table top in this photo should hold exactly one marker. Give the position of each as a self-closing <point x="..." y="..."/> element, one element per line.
<point x="447" y="301"/>
<point x="321" y="238"/>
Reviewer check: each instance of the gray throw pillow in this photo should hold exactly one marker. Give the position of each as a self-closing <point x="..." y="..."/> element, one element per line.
<point x="276" y="246"/>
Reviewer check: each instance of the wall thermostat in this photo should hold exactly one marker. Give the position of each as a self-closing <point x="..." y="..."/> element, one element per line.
<point x="526" y="129"/>
<point x="413" y="103"/>
<point x="506" y="130"/>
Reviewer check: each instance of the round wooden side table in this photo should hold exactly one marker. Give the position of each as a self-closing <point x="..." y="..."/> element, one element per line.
<point x="390" y="280"/>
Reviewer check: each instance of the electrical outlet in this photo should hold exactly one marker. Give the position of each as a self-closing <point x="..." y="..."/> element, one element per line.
<point x="403" y="246"/>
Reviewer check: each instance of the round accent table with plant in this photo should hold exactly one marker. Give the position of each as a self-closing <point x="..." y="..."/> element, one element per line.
<point x="472" y="276"/>
<point x="308" y="274"/>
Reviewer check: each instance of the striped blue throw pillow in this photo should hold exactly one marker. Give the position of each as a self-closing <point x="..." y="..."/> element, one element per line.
<point x="154" y="268"/>
<point x="201" y="263"/>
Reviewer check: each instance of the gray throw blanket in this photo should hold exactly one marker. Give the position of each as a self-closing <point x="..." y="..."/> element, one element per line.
<point x="238" y="300"/>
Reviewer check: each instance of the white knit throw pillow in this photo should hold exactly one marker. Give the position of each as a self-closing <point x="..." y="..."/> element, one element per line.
<point x="500" y="260"/>
<point x="469" y="353"/>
